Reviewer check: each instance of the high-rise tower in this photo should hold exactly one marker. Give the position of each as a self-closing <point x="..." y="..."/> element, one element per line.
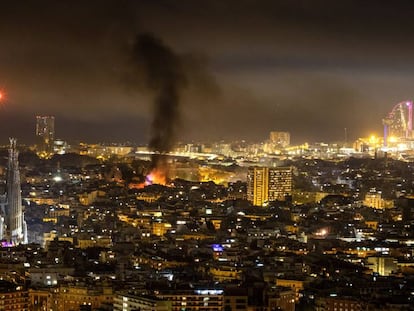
<point x="13" y="225"/>
<point x="266" y="184"/>
<point x="45" y="134"/>
<point x="258" y="185"/>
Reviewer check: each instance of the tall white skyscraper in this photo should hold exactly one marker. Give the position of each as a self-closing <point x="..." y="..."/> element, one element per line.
<point x="13" y="226"/>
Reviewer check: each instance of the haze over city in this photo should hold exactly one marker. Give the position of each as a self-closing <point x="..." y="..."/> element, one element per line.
<point x="177" y="155"/>
<point x="310" y="68"/>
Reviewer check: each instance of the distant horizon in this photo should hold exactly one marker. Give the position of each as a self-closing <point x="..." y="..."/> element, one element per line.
<point x="32" y="142"/>
<point x="312" y="69"/>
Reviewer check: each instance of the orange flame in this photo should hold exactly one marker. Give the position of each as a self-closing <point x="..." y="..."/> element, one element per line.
<point x="157" y="176"/>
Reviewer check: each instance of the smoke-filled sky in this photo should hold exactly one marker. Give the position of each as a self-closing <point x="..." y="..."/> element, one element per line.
<point x="308" y="67"/>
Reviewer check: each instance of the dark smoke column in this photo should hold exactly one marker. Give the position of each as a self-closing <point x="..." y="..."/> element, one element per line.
<point x="164" y="76"/>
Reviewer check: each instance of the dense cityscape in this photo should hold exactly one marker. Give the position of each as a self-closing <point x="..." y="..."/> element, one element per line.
<point x="221" y="226"/>
<point x="215" y="155"/>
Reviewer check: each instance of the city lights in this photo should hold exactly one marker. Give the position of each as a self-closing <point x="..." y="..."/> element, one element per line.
<point x="206" y="155"/>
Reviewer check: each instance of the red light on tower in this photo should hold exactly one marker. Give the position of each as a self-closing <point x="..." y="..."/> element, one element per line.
<point x="3" y="95"/>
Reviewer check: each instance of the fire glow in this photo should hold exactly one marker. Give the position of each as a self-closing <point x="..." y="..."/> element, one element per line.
<point x="157" y="176"/>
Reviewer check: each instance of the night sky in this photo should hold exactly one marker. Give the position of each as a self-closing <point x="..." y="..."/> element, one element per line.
<point x="308" y="67"/>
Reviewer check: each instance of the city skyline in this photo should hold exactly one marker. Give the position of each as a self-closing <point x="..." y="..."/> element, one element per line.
<point x="180" y="155"/>
<point x="309" y="69"/>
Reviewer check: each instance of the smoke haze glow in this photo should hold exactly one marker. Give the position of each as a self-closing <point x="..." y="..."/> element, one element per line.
<point x="309" y="68"/>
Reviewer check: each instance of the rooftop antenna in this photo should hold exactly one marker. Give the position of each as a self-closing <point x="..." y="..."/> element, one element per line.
<point x="346" y="135"/>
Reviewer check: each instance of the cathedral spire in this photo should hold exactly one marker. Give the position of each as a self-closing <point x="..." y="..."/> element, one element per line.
<point x="14" y="226"/>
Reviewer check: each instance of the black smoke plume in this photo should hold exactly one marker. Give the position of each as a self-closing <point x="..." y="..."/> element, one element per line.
<point x="163" y="74"/>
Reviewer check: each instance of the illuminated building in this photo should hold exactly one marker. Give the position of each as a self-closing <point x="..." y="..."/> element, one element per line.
<point x="160" y="228"/>
<point x="105" y="152"/>
<point x="42" y="299"/>
<point x="258" y="185"/>
<point x="12" y="224"/>
<point x="198" y="299"/>
<point x="13" y="297"/>
<point x="295" y="285"/>
<point x="266" y="184"/>
<point x="85" y="241"/>
<point x="282" y="299"/>
<point x="60" y="146"/>
<point x="88" y="198"/>
<point x="148" y="197"/>
<point x="374" y="199"/>
<point x="280" y="139"/>
<point x="45" y="134"/>
<point x="280" y="183"/>
<point x="48" y="277"/>
<point x="225" y="273"/>
<point x="338" y="303"/>
<point x="73" y="296"/>
<point x="382" y="265"/>
<point x="131" y="301"/>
